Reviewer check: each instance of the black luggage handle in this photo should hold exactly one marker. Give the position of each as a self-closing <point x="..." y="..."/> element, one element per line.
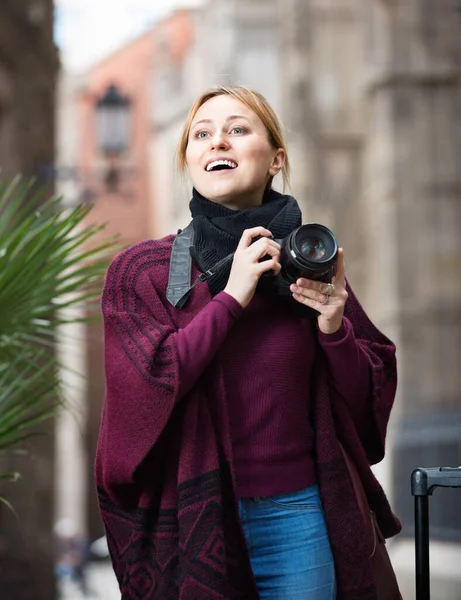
<point x="423" y="483"/>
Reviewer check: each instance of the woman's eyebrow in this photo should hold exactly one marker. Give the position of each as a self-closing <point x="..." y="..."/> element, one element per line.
<point x="230" y="118"/>
<point x="235" y="117"/>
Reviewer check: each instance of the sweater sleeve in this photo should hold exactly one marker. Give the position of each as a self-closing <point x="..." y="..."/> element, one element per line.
<point x="350" y="373"/>
<point x="198" y="342"/>
<point x="149" y="364"/>
<point x="378" y="352"/>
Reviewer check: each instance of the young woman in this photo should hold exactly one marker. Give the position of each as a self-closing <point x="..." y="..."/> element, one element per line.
<point x="219" y="468"/>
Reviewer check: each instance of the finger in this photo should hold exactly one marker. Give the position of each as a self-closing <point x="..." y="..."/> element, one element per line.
<point x="268" y="265"/>
<point x="340" y="278"/>
<point x="308" y="292"/>
<point x="262" y="248"/>
<point x="249" y="234"/>
<point x="308" y="301"/>
<point x="316" y="286"/>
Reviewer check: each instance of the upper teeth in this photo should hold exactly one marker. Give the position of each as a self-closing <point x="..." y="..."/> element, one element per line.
<point x="216" y="163"/>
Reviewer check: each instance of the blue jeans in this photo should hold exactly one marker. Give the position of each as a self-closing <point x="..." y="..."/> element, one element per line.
<point x="289" y="547"/>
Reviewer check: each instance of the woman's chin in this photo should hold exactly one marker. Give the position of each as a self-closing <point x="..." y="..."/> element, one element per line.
<point x="219" y="193"/>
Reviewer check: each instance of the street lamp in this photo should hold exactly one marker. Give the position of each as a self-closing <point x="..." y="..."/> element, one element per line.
<point x="113" y="122"/>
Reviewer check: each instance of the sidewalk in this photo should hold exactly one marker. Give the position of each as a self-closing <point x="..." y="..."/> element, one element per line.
<point x="102" y="584"/>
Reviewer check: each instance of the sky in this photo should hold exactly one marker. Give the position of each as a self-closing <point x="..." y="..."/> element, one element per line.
<point x="88" y="30"/>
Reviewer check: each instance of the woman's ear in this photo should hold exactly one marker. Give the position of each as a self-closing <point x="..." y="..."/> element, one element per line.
<point x="277" y="162"/>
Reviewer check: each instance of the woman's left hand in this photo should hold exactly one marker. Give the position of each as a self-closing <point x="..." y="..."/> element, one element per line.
<point x="327" y="298"/>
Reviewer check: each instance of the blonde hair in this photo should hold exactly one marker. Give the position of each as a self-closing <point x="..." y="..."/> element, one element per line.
<point x="258" y="104"/>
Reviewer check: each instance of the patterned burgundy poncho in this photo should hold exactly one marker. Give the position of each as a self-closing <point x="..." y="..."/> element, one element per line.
<point x="164" y="467"/>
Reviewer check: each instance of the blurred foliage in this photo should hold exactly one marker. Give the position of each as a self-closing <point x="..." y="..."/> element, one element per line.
<point x="50" y="261"/>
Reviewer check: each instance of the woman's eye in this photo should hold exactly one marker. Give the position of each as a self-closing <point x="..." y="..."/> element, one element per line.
<point x="238" y="130"/>
<point x="201" y="135"/>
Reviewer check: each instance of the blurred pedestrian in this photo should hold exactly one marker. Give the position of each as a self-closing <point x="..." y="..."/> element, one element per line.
<point x="219" y="467"/>
<point x="72" y="554"/>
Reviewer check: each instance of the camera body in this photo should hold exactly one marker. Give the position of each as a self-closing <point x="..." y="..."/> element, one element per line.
<point x="310" y="251"/>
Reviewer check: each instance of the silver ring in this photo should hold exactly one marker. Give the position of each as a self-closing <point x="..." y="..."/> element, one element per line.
<point x="330" y="290"/>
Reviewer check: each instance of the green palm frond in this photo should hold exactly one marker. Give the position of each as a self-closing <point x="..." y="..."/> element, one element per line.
<point x="50" y="259"/>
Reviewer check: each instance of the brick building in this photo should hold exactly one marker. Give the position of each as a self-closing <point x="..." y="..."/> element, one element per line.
<point x="115" y="181"/>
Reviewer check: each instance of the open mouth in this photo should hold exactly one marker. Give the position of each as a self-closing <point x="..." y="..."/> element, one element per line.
<point x="221" y="165"/>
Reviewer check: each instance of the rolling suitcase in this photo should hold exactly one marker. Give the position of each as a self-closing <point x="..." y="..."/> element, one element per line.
<point x="423" y="483"/>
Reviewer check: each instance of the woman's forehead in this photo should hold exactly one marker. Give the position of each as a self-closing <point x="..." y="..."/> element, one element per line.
<point x="224" y="107"/>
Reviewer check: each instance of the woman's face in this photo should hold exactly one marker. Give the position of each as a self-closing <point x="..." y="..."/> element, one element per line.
<point x="229" y="157"/>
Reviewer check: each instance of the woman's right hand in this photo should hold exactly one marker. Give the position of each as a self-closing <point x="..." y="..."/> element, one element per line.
<point x="246" y="268"/>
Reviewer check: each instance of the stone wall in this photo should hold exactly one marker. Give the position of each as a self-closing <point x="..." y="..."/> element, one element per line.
<point x="28" y="68"/>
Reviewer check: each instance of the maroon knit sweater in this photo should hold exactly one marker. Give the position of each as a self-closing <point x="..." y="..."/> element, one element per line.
<point x="164" y="465"/>
<point x="268" y="356"/>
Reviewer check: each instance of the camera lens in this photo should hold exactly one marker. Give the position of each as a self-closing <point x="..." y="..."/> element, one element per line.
<point x="313" y="249"/>
<point x="310" y="251"/>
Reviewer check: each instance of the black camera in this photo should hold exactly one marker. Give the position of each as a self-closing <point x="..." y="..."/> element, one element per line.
<point x="310" y="251"/>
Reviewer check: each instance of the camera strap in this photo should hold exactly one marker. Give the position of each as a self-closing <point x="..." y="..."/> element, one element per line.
<point x="179" y="280"/>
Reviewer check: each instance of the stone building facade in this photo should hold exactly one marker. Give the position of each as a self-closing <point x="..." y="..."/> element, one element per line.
<point x="380" y="102"/>
<point x="28" y="70"/>
<point x="175" y="73"/>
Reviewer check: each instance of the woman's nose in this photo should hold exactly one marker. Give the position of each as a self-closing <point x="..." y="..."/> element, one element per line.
<point x="219" y="140"/>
